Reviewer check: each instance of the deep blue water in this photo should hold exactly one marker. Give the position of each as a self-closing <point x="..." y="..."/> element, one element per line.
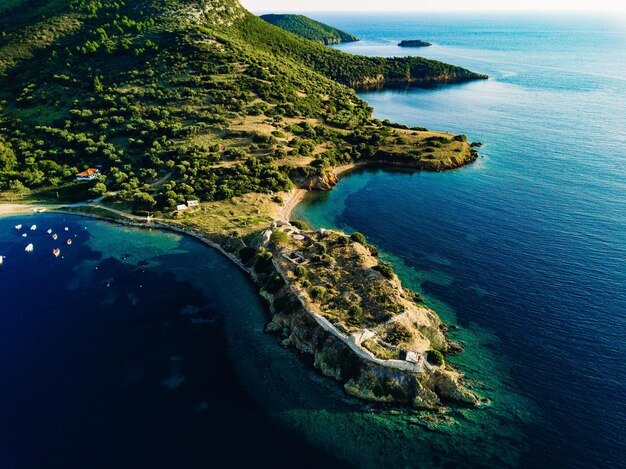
<point x="529" y="243"/>
<point x="116" y="354"/>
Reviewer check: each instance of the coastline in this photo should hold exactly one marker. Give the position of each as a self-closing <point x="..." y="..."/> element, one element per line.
<point x="7" y="210"/>
<point x="292" y="200"/>
<point x="447" y="379"/>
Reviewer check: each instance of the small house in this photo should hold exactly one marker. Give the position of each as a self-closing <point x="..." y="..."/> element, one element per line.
<point x="181" y="207"/>
<point x="193" y="203"/>
<point x="88" y="175"/>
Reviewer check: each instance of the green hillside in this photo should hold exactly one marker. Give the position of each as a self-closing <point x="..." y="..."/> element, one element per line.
<point x="177" y="99"/>
<point x="310" y="29"/>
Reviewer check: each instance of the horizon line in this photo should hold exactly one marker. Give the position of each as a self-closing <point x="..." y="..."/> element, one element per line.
<point x="451" y="10"/>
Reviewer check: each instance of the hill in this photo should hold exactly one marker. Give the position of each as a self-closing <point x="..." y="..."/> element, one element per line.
<point x="206" y="118"/>
<point x="310" y="29"/>
<point x="176" y="100"/>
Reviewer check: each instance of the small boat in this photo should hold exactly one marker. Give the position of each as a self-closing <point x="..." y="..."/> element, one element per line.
<point x="56" y="252"/>
<point x="18" y="227"/>
<point x="49" y="231"/>
<point x="1" y="260"/>
<point x="33" y="228"/>
<point x="24" y="235"/>
<point x="69" y="241"/>
<point x="67" y="229"/>
<point x="29" y="248"/>
<point x="55" y="236"/>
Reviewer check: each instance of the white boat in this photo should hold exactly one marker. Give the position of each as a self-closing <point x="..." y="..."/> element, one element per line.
<point x="55" y="236"/>
<point x="24" y="235"/>
<point x="56" y="252"/>
<point x="67" y="229"/>
<point x="33" y="228"/>
<point x="30" y="248"/>
<point x="1" y="260"/>
<point x="49" y="231"/>
<point x="18" y="227"/>
<point x="69" y="241"/>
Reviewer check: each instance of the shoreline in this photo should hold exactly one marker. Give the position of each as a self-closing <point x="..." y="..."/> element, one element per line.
<point x="8" y="210"/>
<point x="292" y="199"/>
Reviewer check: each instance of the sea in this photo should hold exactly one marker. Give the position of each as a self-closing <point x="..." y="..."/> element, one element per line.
<point x="142" y="348"/>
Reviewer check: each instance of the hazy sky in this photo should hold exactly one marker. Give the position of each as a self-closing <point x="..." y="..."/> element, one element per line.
<point x="278" y="6"/>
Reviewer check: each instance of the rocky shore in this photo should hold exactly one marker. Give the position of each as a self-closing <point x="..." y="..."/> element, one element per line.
<point x="349" y="354"/>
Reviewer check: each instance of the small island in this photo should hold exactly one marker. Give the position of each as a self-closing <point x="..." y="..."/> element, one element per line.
<point x="414" y="43"/>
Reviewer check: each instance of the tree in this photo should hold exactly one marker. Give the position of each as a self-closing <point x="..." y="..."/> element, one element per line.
<point x="358" y="237"/>
<point x="98" y="189"/>
<point x="385" y="269"/>
<point x="279" y="238"/>
<point x="435" y="357"/>
<point x="98" y="87"/>
<point x="7" y="157"/>
<point x="300" y="271"/>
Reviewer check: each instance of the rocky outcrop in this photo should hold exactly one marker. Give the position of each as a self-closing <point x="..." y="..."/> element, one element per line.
<point x="324" y="182"/>
<point x="363" y="378"/>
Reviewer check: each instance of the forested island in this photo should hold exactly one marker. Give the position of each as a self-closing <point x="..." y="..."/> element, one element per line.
<point x="310" y="29"/>
<point x="414" y="43"/>
<point x="199" y="116"/>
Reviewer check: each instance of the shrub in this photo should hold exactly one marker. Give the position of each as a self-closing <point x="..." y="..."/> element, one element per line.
<point x="435" y="357"/>
<point x="373" y="250"/>
<point x="354" y="311"/>
<point x="460" y="138"/>
<point x="246" y="254"/>
<point x="359" y="238"/>
<point x="385" y="269"/>
<point x="274" y="283"/>
<point x="300" y="225"/>
<point x="320" y="248"/>
<point x="342" y="241"/>
<point x="318" y="293"/>
<point x="300" y="272"/>
<point x="263" y="263"/>
<point x="278" y="199"/>
<point x="397" y="333"/>
<point x="278" y="134"/>
<point x="279" y="238"/>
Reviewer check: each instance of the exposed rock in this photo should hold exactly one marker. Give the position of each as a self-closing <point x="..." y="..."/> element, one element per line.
<point x="325" y="182"/>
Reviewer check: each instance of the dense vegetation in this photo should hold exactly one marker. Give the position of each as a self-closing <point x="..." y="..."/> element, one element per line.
<point x="176" y="100"/>
<point x="310" y="29"/>
<point x="351" y="70"/>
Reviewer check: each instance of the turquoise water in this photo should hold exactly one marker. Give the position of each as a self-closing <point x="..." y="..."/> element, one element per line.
<point x="140" y="348"/>
<point x="528" y="245"/>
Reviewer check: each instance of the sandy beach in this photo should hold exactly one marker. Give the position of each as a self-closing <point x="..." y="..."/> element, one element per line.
<point x="293" y="198"/>
<point x="17" y="209"/>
